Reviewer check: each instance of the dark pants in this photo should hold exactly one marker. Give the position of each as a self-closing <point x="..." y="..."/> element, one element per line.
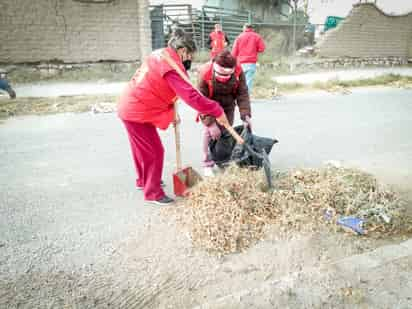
<point x="4" y="85"/>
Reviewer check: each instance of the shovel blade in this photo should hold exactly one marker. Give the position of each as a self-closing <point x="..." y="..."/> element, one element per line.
<point x="184" y="179"/>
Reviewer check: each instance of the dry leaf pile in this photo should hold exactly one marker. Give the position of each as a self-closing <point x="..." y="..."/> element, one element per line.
<point x="316" y="194"/>
<point x="229" y="213"/>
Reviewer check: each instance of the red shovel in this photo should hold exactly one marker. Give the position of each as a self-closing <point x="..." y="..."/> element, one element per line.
<point x="185" y="177"/>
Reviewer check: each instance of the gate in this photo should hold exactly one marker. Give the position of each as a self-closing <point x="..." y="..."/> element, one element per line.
<point x="198" y="23"/>
<point x="164" y="18"/>
<point x="156" y="18"/>
<point x="232" y="22"/>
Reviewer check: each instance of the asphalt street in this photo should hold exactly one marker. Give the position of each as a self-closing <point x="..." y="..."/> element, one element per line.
<point x="67" y="180"/>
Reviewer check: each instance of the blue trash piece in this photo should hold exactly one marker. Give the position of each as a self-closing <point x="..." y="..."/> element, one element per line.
<point x="353" y="223"/>
<point x="328" y="215"/>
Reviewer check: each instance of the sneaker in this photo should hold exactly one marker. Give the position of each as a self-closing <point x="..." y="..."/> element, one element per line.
<point x="208" y="172"/>
<point x="165" y="200"/>
<point x="11" y="93"/>
<point x="162" y="184"/>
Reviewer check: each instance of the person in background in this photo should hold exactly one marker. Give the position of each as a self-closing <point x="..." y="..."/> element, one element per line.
<point x="5" y="86"/>
<point x="222" y="80"/>
<point x="218" y="41"/>
<point x="246" y="48"/>
<point x="147" y="104"/>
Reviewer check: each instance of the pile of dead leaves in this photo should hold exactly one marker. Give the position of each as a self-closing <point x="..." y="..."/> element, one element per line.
<point x="229" y="213"/>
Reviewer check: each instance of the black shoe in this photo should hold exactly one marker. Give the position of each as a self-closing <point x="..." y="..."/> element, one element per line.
<point x="11" y="93"/>
<point x="165" y="200"/>
<point x="162" y="184"/>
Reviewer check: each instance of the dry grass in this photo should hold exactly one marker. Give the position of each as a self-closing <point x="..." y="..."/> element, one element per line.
<point x="229" y="213"/>
<point x="266" y="88"/>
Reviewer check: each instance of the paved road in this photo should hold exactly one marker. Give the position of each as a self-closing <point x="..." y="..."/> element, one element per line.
<point x="67" y="197"/>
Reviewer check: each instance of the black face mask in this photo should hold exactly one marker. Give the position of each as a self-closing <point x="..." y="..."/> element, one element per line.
<point x="187" y="64"/>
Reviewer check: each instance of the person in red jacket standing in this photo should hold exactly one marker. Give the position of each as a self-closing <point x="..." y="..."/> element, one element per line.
<point x="147" y="103"/>
<point x="218" y="41"/>
<point x="246" y="48"/>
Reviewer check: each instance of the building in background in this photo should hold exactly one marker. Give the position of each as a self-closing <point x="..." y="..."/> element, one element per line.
<point x="74" y="30"/>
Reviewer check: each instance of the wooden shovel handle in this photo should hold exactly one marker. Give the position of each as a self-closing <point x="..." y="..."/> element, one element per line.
<point x="177" y="141"/>
<point x="236" y="136"/>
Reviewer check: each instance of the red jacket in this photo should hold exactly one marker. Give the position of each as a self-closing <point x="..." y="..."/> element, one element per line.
<point x="247" y="46"/>
<point x="206" y="74"/>
<point x="217" y="42"/>
<point x="233" y="92"/>
<point x="148" y="98"/>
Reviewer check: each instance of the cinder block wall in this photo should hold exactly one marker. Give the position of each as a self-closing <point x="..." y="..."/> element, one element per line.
<point x="73" y="30"/>
<point x="410" y="46"/>
<point x="369" y="32"/>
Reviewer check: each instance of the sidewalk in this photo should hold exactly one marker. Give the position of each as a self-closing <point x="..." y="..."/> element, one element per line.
<point x="381" y="278"/>
<point x="344" y="75"/>
<point x="55" y="89"/>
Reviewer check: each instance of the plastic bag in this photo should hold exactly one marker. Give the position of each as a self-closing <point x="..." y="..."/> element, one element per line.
<point x="225" y="149"/>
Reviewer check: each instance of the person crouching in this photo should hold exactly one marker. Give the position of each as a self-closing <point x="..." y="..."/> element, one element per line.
<point x="223" y="81"/>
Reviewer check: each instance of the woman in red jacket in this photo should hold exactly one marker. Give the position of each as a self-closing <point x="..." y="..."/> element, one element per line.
<point x="147" y="103"/>
<point x="222" y="80"/>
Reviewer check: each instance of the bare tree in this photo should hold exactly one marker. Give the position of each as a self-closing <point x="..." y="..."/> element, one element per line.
<point x="295" y="6"/>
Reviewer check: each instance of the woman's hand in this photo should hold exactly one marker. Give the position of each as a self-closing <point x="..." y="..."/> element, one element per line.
<point x="248" y="122"/>
<point x="214" y="131"/>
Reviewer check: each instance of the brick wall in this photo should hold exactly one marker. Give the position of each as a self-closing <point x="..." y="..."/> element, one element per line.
<point x="369" y="32"/>
<point x="410" y="46"/>
<point x="73" y="30"/>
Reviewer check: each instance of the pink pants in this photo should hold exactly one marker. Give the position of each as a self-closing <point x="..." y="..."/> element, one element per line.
<point x="207" y="161"/>
<point x="148" y="155"/>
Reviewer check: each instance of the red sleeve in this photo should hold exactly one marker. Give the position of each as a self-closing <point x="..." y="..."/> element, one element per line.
<point x="261" y="45"/>
<point x="235" y="51"/>
<point x="191" y="96"/>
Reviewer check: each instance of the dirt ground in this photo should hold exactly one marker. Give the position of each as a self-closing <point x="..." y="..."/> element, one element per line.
<point x="160" y="269"/>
